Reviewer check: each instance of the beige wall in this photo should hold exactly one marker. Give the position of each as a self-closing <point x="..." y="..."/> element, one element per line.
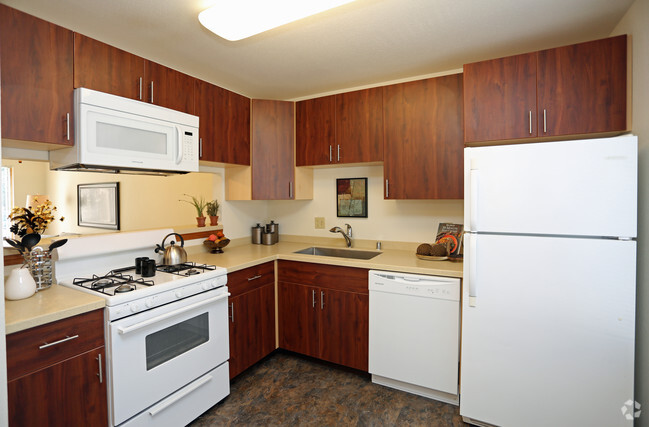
<point x="636" y="24"/>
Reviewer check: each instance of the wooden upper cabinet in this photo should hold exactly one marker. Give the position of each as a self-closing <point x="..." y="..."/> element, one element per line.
<point x="500" y="99"/>
<point x="315" y="131"/>
<point x="37" y="79"/>
<point x="423" y="139"/>
<point x="582" y="88"/>
<point x="224" y="124"/>
<point x="273" y="176"/>
<point x="571" y="90"/>
<point x="359" y="126"/>
<point x="107" y="69"/>
<point x="168" y="88"/>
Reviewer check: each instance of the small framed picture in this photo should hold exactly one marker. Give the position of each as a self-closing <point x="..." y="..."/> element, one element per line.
<point x="98" y="205"/>
<point x="351" y="197"/>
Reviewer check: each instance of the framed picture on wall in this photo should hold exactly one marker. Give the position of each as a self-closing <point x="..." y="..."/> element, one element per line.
<point x="351" y="197"/>
<point x="98" y="205"/>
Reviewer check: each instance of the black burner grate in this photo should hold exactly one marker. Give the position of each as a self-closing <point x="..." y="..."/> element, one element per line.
<point x="186" y="268"/>
<point x="106" y="283"/>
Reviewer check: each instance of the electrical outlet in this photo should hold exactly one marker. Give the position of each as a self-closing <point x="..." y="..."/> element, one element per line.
<point x="319" y="222"/>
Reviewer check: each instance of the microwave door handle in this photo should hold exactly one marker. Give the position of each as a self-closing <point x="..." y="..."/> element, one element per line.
<point x="179" y="157"/>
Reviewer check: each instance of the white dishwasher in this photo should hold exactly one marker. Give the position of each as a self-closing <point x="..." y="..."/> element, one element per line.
<point x="414" y="341"/>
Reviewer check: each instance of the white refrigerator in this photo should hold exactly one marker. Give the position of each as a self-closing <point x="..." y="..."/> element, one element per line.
<point x="548" y="303"/>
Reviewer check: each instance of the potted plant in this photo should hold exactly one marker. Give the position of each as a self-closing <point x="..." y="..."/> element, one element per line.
<point x="213" y="211"/>
<point x="199" y="204"/>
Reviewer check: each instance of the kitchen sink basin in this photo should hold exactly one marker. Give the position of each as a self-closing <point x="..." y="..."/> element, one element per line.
<point x="340" y="253"/>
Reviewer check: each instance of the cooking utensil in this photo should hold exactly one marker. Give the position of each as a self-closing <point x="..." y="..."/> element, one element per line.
<point x="57" y="244"/>
<point x="173" y="255"/>
<point x="16" y="245"/>
<point x="30" y="240"/>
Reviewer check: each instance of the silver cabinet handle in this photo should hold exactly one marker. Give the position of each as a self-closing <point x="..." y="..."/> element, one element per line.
<point x="200" y="147"/>
<point x="254" y="277"/>
<point x="67" y="119"/>
<point x="140" y="88"/>
<point x="231" y="316"/>
<point x="545" y="122"/>
<point x="290" y="189"/>
<point x="387" y="189"/>
<point x="338" y="152"/>
<point x="151" y="92"/>
<point x="330" y="158"/>
<point x="321" y="300"/>
<point x="313" y="298"/>
<point x="100" y="375"/>
<point x="67" y="338"/>
<point x="530" y="122"/>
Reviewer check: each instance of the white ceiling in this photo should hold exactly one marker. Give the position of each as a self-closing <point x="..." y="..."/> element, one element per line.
<point x="363" y="43"/>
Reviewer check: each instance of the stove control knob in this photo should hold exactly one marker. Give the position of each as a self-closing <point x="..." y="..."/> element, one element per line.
<point x="149" y="302"/>
<point x="134" y="307"/>
<point x="179" y="294"/>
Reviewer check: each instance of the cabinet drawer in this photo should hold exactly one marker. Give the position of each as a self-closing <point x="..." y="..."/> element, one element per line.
<point x="349" y="279"/>
<point x="28" y="351"/>
<point x="251" y="278"/>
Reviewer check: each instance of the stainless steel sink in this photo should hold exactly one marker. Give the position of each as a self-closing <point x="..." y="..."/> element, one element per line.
<point x="340" y="253"/>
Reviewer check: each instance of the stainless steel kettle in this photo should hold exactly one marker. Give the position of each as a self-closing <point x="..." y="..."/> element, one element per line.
<point x="173" y="254"/>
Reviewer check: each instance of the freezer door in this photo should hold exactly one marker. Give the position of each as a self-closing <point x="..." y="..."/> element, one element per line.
<point x="549" y="340"/>
<point x="578" y="188"/>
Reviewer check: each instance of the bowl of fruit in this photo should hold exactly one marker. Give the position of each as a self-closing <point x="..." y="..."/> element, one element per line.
<point x="216" y="242"/>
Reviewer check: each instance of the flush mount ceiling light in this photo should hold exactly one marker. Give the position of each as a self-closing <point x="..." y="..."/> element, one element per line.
<point x="237" y="19"/>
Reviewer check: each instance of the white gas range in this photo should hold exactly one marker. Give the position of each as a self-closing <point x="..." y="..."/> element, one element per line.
<point x="166" y="336"/>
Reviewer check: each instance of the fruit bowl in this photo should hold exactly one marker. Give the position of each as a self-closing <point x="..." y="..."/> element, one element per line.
<point x="216" y="247"/>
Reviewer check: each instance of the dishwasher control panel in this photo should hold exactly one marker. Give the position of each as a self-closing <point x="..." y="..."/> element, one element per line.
<point x="447" y="288"/>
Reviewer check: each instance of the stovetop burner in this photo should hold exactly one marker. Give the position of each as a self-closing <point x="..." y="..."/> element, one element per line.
<point x="112" y="283"/>
<point x="186" y="268"/>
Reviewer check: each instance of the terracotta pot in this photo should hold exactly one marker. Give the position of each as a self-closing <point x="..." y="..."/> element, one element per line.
<point x="214" y="220"/>
<point x="201" y="221"/>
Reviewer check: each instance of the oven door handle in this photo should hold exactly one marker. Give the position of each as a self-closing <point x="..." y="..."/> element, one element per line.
<point x="137" y="326"/>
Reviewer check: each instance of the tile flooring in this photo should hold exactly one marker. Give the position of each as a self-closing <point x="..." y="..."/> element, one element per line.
<point x="289" y="390"/>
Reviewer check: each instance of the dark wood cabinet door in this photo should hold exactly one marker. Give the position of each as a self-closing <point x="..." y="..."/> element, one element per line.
<point x="233" y="130"/>
<point x="169" y="88"/>
<point x="359" y="126"/>
<point x="252" y="327"/>
<point x="37" y="79"/>
<point x="344" y="328"/>
<point x="209" y="99"/>
<point x="68" y="393"/>
<point x="315" y="131"/>
<point x="500" y="99"/>
<point x="107" y="69"/>
<point x="582" y="88"/>
<point x="298" y="318"/>
<point x="272" y="150"/>
<point x="423" y="139"/>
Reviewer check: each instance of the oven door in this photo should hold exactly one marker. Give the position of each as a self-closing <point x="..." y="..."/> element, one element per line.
<point x="156" y="352"/>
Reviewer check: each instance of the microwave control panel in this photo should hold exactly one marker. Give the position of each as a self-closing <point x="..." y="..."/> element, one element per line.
<point x="189" y="149"/>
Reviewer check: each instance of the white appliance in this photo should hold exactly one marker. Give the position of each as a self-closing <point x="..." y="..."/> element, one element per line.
<point x="548" y="314"/>
<point x="115" y="134"/>
<point x="414" y="333"/>
<point x="167" y="344"/>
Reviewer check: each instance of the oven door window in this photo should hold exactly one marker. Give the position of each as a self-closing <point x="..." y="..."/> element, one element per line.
<point x="171" y="342"/>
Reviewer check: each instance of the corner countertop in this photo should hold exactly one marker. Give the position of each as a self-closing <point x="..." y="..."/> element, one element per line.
<point x="48" y="305"/>
<point x="248" y="255"/>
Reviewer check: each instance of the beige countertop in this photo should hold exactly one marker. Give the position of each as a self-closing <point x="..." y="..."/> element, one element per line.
<point x="49" y="305"/>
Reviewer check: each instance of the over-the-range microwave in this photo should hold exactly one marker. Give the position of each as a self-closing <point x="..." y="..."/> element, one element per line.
<point x="116" y="134"/>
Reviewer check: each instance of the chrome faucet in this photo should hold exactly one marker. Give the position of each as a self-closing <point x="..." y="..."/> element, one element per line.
<point x="347" y="235"/>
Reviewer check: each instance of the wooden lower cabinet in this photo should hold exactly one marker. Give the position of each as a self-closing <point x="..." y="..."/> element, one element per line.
<point x="323" y="312"/>
<point x="63" y="383"/>
<point x="252" y="316"/>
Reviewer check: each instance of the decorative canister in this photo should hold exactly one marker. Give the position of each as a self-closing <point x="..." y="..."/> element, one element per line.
<point x="39" y="262"/>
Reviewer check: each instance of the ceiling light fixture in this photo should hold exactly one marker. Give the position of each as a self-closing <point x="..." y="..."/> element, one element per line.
<point x="237" y="19"/>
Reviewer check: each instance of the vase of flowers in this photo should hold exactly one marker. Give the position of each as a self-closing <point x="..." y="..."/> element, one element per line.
<point x="213" y="211"/>
<point x="199" y="204"/>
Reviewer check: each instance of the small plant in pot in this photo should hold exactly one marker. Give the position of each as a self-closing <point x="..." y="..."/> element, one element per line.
<point x="213" y="211"/>
<point x="199" y="204"/>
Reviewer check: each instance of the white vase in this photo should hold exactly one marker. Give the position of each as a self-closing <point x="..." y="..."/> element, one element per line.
<point x="20" y="284"/>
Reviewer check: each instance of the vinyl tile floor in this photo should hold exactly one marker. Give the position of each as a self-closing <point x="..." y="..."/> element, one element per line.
<point x="286" y="389"/>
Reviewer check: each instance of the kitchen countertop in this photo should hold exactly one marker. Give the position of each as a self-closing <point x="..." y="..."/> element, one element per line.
<point x="49" y="305"/>
<point x="60" y="302"/>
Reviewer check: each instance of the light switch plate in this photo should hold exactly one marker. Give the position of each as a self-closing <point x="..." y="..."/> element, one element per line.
<point x="319" y="222"/>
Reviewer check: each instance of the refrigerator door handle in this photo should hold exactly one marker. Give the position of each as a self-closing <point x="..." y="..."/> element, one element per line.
<point x="473" y="216"/>
<point x="473" y="286"/>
